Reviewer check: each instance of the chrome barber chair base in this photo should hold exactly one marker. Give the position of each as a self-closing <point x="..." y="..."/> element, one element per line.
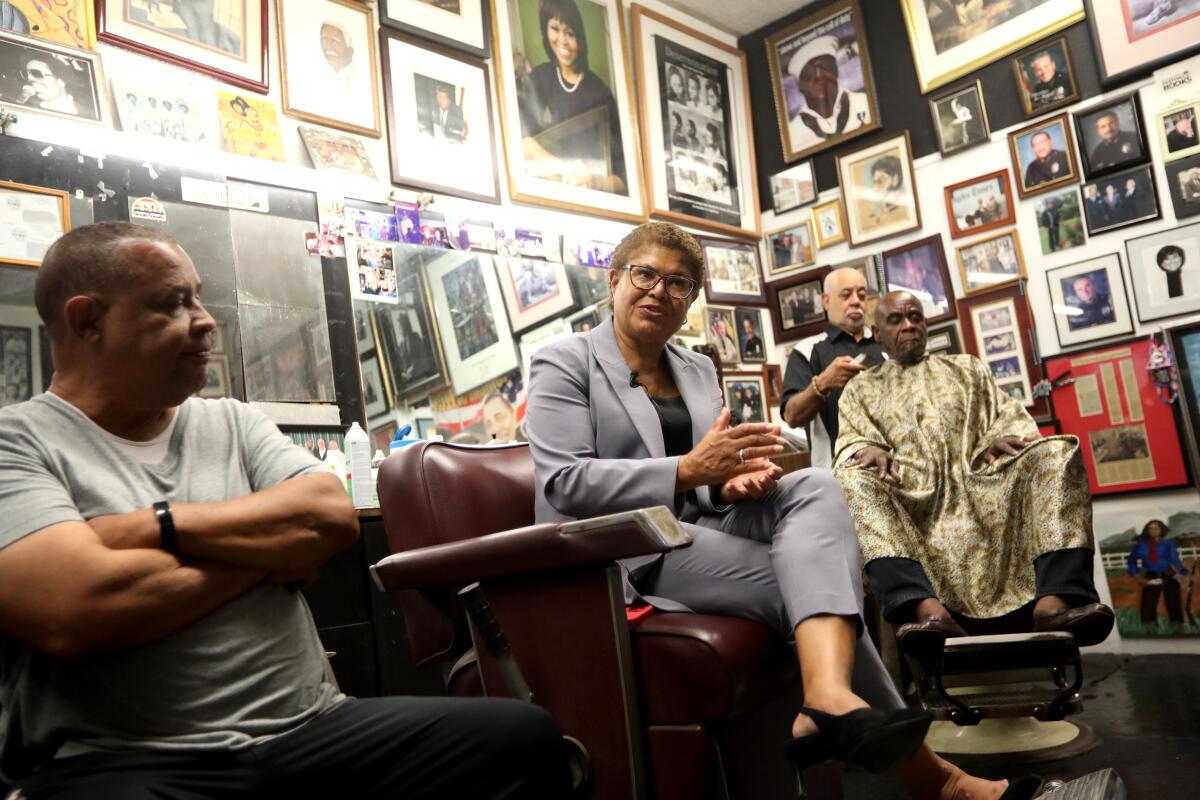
<point x="1011" y="740"/>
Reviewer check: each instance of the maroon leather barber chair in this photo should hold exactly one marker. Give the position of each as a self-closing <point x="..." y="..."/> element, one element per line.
<point x="676" y="706"/>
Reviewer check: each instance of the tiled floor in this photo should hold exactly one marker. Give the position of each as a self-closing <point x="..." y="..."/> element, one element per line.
<point x="1145" y="708"/>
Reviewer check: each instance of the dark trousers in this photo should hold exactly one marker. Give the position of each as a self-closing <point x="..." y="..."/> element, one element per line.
<point x="1169" y="590"/>
<point x="402" y="747"/>
<point x="898" y="583"/>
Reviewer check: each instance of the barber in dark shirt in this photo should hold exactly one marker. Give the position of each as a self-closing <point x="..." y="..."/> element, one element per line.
<point x="819" y="367"/>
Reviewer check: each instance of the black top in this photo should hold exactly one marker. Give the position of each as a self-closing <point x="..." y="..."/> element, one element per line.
<point x="1124" y="148"/>
<point x="800" y="370"/>
<point x="547" y="104"/>
<point x="676" y="423"/>
<point x="1054" y="167"/>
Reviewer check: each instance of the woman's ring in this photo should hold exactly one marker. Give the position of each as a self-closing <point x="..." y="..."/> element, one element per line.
<point x="742" y="456"/>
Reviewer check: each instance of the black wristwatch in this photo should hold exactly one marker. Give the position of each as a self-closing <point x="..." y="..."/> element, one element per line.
<point x="166" y="527"/>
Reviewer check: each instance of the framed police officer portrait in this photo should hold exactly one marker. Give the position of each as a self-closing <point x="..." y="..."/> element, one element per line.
<point x="1043" y="156"/>
<point x="1111" y="136"/>
<point x="821" y="76"/>
<point x="1045" y="77"/>
<point x="1089" y="300"/>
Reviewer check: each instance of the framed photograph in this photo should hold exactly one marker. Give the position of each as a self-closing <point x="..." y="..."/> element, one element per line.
<point x="585" y="251"/>
<point x="693" y="324"/>
<point x="37" y="75"/>
<point x="1089" y="300"/>
<point x="374" y="397"/>
<point x="881" y="197"/>
<point x="1128" y="437"/>
<point x="829" y="223"/>
<point x="327" y="62"/>
<point x="584" y="321"/>
<point x="461" y="24"/>
<point x="16" y="377"/>
<point x="695" y="126"/>
<point x="176" y="112"/>
<point x="1121" y="199"/>
<point x="567" y="112"/>
<point x="216" y="378"/>
<point x="1111" y="136"/>
<point x="1177" y="130"/>
<point x="821" y="77"/>
<point x="749" y="325"/>
<point x="1043" y="156"/>
<point x="250" y="127"/>
<point x="871" y="268"/>
<point x="364" y="335"/>
<point x="1060" y="221"/>
<point x="732" y="272"/>
<point x="796" y="307"/>
<point x="944" y="340"/>
<point x="1183" y="183"/>
<point x="534" y="290"/>
<point x="65" y="22"/>
<point x="720" y="329"/>
<point x="1164" y="269"/>
<point x="410" y="338"/>
<point x="1185" y="346"/>
<point x="224" y="39"/>
<point x="746" y="396"/>
<point x="979" y="204"/>
<point x="997" y="328"/>
<point x="439" y="112"/>
<point x="960" y="119"/>
<point x="336" y="151"/>
<point x="1133" y="37"/>
<point x="372" y="266"/>
<point x="1045" y="77"/>
<point x="791" y="248"/>
<point x="469" y="309"/>
<point x="426" y="427"/>
<point x="383" y="435"/>
<point x="920" y="268"/>
<point x="795" y="187"/>
<point x="950" y="40"/>
<point x="773" y="378"/>
<point x="31" y="219"/>
<point x="990" y="263"/>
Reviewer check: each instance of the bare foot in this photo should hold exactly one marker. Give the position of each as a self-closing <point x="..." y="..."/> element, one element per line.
<point x="961" y="786"/>
<point x="836" y="701"/>
<point x="931" y="777"/>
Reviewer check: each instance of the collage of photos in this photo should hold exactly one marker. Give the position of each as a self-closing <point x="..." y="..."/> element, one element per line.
<point x="373" y="271"/>
<point x="1000" y="343"/>
<point x="701" y="177"/>
<point x="991" y="263"/>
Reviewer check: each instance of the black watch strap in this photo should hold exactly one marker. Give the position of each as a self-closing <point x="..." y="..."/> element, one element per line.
<point x="166" y="527"/>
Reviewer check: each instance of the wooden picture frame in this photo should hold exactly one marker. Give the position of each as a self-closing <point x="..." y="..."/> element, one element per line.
<point x="457" y="155"/>
<point x="467" y="30"/>
<point x="983" y="214"/>
<point x="752" y="345"/>
<point x="989" y="263"/>
<point x="917" y="267"/>
<point x="733" y="272"/>
<point x="801" y="297"/>
<point x="963" y="126"/>
<point x="17" y="198"/>
<point x="571" y="150"/>
<point x="872" y="214"/>
<point x="794" y="245"/>
<point x="833" y="32"/>
<point x="1034" y="174"/>
<point x="773" y="378"/>
<point x="941" y="55"/>
<point x="829" y="222"/>
<point x="236" y="57"/>
<point x="710" y="180"/>
<point x="1057" y="77"/>
<point x="999" y="312"/>
<point x="346" y="111"/>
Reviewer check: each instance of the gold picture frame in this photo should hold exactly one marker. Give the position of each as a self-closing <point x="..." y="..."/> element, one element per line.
<point x="800" y="253"/>
<point x="941" y="55"/>
<point x="40" y="199"/>
<point x="980" y="275"/>
<point x="829" y="222"/>
<point x="873" y="213"/>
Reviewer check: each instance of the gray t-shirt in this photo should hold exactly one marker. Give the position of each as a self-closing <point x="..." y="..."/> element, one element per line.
<point x="250" y="670"/>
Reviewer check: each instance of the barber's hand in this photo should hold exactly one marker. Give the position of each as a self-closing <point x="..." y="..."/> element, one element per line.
<point x="871" y="457"/>
<point x="839" y="373"/>
<point x="715" y="459"/>
<point x="1008" y="445"/>
<point x="752" y="485"/>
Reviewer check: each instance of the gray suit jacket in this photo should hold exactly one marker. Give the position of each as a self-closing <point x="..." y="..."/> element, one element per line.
<point x="597" y="442"/>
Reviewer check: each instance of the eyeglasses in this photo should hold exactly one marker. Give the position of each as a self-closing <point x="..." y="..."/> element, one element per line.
<point x="646" y="278"/>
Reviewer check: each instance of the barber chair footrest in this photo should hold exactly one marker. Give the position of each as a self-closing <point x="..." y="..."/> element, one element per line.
<point x="1103" y="784"/>
<point x="1041" y="704"/>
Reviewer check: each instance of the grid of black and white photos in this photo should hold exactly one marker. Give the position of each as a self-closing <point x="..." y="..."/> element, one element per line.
<point x="702" y="180"/>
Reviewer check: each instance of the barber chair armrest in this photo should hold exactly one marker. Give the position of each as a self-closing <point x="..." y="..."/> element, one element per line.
<point x="537" y="548"/>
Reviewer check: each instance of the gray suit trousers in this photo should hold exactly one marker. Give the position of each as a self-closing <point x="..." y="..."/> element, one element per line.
<point x="779" y="560"/>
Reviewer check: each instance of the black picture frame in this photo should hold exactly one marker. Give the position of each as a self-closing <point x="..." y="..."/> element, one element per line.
<point x="1164" y="272"/>
<point x="1102" y="214"/>
<point x="953" y="340"/>
<point x="971" y="115"/>
<point x="1185" y="347"/>
<point x="1061" y="88"/>
<point x="1090" y="301"/>
<point x="1127" y="149"/>
<point x="387" y="19"/>
<point x="1183" y="185"/>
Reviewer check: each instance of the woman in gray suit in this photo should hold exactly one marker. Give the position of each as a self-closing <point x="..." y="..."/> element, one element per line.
<point x="619" y="419"/>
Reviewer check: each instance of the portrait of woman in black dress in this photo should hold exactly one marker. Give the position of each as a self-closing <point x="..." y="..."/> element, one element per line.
<point x="564" y="89"/>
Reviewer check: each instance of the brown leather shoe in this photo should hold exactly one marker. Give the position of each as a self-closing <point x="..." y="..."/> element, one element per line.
<point x="1089" y="624"/>
<point x="927" y="635"/>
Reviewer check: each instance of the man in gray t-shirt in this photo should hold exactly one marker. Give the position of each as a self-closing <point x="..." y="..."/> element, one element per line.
<point x="152" y="643"/>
